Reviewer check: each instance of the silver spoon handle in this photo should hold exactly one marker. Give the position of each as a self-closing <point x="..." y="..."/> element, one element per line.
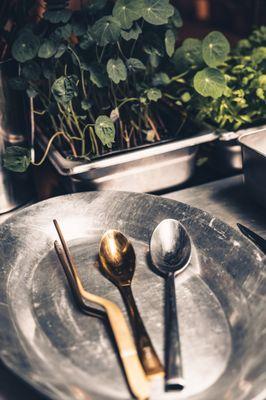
<point x="173" y="362"/>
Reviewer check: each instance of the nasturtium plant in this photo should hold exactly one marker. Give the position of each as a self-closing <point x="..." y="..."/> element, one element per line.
<point x="154" y="94"/>
<point x="105" y="130"/>
<point x="201" y="59"/>
<point x="237" y="88"/>
<point x="215" y="49"/>
<point x="25" y="47"/>
<point x="170" y="40"/>
<point x="156" y="12"/>
<point x="126" y="12"/>
<point x="64" y="89"/>
<point x="106" y="30"/>
<point x="47" y="49"/>
<point x="116" y="70"/>
<point x="210" y="82"/>
<point x="108" y="75"/>
<point x="17" y="159"/>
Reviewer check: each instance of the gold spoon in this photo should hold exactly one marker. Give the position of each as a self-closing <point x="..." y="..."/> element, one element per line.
<point x="136" y="377"/>
<point x="117" y="259"/>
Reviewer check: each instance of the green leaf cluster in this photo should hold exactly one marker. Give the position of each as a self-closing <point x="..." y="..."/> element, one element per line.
<point x="203" y="57"/>
<point x="243" y="102"/>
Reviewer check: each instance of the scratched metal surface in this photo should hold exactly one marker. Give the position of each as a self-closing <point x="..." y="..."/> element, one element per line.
<point x="67" y="355"/>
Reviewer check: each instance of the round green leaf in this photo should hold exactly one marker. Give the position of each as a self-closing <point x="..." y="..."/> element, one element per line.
<point x="215" y="48"/>
<point x="154" y="94"/>
<point x="17" y="158"/>
<point x="106" y="30"/>
<point x="64" y="89"/>
<point x="116" y="70"/>
<point x="135" y="65"/>
<point x="47" y="49"/>
<point x="157" y="12"/>
<point x="188" y="55"/>
<point x="105" y="130"/>
<point x="126" y="12"/>
<point x="31" y="71"/>
<point x="133" y="34"/>
<point x="210" y="82"/>
<point x="169" y="41"/>
<point x="25" y="47"/>
<point x="176" y="19"/>
<point x="161" y="79"/>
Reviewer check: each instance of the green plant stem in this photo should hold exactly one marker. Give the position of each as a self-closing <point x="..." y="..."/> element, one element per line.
<point x="83" y="146"/>
<point x="94" y="140"/>
<point x="81" y="71"/>
<point x="55" y="135"/>
<point x="127" y="101"/>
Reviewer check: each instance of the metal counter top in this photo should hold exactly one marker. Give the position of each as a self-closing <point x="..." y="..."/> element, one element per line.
<point x="227" y="199"/>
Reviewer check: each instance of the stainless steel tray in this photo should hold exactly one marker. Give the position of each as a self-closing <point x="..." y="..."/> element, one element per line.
<point x="254" y="156"/>
<point x="152" y="168"/>
<point x="226" y="154"/>
<point x="67" y="355"/>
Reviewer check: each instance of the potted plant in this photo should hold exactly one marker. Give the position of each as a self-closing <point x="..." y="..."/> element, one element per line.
<point x="106" y="79"/>
<point x="242" y="104"/>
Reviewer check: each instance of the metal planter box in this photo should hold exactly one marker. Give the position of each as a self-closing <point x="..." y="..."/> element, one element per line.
<point x="254" y="158"/>
<point x="147" y="169"/>
<point x="226" y="155"/>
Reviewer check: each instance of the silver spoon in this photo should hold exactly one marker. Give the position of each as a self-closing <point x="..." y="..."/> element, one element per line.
<point x="170" y="251"/>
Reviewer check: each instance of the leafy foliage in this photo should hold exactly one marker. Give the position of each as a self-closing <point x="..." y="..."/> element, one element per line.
<point x="215" y="48"/>
<point x="243" y="101"/>
<point x="64" y="89"/>
<point x="105" y="130"/>
<point x="102" y="77"/>
<point x="210" y="82"/>
<point x="25" y="47"/>
<point x="17" y="159"/>
<point x="116" y="70"/>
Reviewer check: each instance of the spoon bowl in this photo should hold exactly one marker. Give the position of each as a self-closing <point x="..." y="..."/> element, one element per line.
<point x="170" y="247"/>
<point x="117" y="257"/>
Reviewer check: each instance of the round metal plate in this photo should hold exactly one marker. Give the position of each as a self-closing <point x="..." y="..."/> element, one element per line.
<point x="48" y="342"/>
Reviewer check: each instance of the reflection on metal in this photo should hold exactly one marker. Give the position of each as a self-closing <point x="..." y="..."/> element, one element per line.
<point x="15" y="188"/>
<point x="254" y="156"/>
<point x="220" y="296"/>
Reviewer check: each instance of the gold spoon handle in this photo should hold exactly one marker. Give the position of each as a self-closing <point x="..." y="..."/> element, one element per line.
<point x="136" y="377"/>
<point x="148" y="356"/>
<point x="135" y="374"/>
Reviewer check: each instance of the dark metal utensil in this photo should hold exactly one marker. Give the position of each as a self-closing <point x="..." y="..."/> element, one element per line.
<point x="117" y="259"/>
<point x="170" y="251"/>
<point x="254" y="237"/>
